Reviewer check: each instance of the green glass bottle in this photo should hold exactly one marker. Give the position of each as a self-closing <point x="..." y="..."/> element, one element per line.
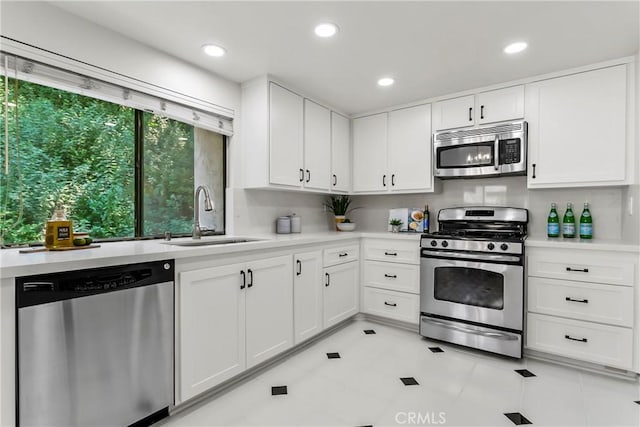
<point x="553" y="222"/>
<point x="569" y="223"/>
<point x="586" y="223"/>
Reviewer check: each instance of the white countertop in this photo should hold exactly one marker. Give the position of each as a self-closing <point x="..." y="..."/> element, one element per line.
<point x="594" y="244"/>
<point x="13" y="263"/>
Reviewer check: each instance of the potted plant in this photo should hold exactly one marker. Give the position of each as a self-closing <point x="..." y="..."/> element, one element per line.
<point x="340" y="207"/>
<point x="395" y="224"/>
<point x="346" y="225"/>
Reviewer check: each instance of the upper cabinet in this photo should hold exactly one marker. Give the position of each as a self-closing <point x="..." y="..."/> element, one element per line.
<point x="287" y="140"/>
<point x="579" y="130"/>
<point x="340" y="153"/>
<point x="485" y="107"/>
<point x="392" y="151"/>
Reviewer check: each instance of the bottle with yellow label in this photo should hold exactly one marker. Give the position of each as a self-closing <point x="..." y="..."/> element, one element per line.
<point x="59" y="232"/>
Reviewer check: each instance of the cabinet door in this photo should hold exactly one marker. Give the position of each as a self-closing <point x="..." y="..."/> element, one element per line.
<point x="409" y="149"/>
<point x="269" y="308"/>
<point x="577" y="129"/>
<point x="285" y="136"/>
<point x="340" y="154"/>
<point x="307" y="295"/>
<point x="340" y="292"/>
<point x="211" y="341"/>
<point x="454" y="113"/>
<point x="317" y="146"/>
<point x="370" y="153"/>
<point x="500" y="105"/>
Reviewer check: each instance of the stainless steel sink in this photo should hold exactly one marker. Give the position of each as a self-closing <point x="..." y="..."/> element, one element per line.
<point x="211" y="242"/>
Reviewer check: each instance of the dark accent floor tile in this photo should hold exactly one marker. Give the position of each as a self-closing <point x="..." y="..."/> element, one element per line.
<point x="637" y="401"/>
<point x="436" y="350"/>
<point x="517" y="418"/>
<point x="409" y="381"/>
<point x="278" y="389"/>
<point x="333" y="355"/>
<point x="525" y="373"/>
<point x="369" y="331"/>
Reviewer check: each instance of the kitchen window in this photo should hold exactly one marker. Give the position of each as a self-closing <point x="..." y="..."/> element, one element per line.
<point x="120" y="171"/>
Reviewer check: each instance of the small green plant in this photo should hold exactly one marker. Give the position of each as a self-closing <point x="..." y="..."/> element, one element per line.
<point x="395" y="221"/>
<point x="339" y="205"/>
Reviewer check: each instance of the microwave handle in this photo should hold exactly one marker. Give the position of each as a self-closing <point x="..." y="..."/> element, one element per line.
<point x="496" y="153"/>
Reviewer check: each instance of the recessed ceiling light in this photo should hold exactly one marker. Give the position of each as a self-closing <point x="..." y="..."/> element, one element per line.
<point x="326" y="29"/>
<point x="214" y="50"/>
<point x="515" y="47"/>
<point x="385" y="81"/>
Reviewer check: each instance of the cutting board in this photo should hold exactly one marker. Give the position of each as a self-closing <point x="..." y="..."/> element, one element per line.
<point x="70" y="248"/>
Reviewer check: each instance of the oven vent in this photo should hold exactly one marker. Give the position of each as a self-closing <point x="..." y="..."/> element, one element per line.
<point x="503" y="128"/>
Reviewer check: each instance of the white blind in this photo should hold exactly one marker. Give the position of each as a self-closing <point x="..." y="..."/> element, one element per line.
<point x="47" y="75"/>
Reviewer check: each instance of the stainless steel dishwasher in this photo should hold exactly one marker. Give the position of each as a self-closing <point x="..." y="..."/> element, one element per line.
<point x="95" y="347"/>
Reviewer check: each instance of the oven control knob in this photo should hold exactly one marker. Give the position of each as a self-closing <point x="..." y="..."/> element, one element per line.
<point x="490" y="246"/>
<point x="445" y="244"/>
<point x="504" y="246"/>
<point x="434" y="243"/>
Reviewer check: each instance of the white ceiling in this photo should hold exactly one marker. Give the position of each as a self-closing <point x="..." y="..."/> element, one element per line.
<point x="430" y="48"/>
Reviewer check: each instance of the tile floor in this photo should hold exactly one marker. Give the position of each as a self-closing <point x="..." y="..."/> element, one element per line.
<point x="395" y="378"/>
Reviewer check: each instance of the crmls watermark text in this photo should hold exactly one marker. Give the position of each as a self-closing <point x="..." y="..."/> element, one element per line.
<point x="421" y="418"/>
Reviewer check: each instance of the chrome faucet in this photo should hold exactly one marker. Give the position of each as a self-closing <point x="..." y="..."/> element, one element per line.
<point x="208" y="206"/>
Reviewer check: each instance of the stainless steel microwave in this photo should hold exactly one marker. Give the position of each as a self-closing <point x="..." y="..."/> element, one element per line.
<point x="492" y="151"/>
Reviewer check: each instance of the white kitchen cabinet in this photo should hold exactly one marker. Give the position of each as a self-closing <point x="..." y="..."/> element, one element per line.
<point x="307" y="295"/>
<point x="370" y="153"/>
<point x="317" y="146"/>
<point x="340" y="293"/>
<point x="409" y="149"/>
<point x="578" y="130"/>
<point x="486" y="107"/>
<point x="212" y="328"/>
<point x="340" y="154"/>
<point x="231" y="318"/>
<point x="392" y="151"/>
<point x="269" y="308"/>
<point x="285" y="136"/>
<point x="580" y="304"/>
<point x="287" y="140"/>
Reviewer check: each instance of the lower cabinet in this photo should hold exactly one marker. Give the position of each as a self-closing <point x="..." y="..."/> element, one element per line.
<point x="232" y="317"/>
<point x="307" y="295"/>
<point x="340" y="292"/>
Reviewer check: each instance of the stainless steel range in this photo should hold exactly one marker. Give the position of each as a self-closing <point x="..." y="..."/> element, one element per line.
<point x="472" y="278"/>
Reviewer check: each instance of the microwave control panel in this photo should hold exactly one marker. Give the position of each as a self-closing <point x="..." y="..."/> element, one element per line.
<point x="510" y="151"/>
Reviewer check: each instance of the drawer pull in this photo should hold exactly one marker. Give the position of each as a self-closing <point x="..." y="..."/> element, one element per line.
<point x="391" y="253"/>
<point x="344" y="254"/>
<point x="584" y="301"/>
<point x="328" y="281"/>
<point x="579" y="270"/>
<point x="391" y="276"/>
<point x="392" y="304"/>
<point x="569" y="337"/>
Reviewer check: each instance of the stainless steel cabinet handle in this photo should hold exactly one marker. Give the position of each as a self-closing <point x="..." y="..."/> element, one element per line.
<point x="391" y="276"/>
<point x="244" y="279"/>
<point x="250" y="278"/>
<point x="579" y="270"/>
<point x="328" y="281"/>
<point x="496" y="153"/>
<point x="584" y="301"/>
<point x="393" y="304"/>
<point x="569" y="337"/>
<point x="299" y="263"/>
<point x="391" y="253"/>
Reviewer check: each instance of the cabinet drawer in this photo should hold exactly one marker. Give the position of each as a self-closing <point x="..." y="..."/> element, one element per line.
<point x="391" y="304"/>
<point x="583" y="301"/>
<point x="396" y="251"/>
<point x="582" y="266"/>
<point x="339" y="255"/>
<point x="393" y="276"/>
<point x="591" y="342"/>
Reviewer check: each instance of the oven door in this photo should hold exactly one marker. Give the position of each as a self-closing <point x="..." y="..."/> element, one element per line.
<point x="490" y="293"/>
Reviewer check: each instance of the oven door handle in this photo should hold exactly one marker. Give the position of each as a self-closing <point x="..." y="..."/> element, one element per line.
<point x="483" y="257"/>
<point x="496" y="153"/>
<point x="470" y="330"/>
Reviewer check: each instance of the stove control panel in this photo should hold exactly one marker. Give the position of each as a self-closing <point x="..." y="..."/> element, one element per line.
<point x="470" y="245"/>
